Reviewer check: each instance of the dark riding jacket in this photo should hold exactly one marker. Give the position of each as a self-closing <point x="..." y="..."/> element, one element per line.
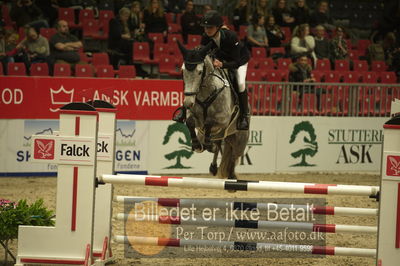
<point x="232" y="52"/>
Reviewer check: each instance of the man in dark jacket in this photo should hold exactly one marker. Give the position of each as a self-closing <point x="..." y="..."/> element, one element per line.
<point x="190" y="22"/>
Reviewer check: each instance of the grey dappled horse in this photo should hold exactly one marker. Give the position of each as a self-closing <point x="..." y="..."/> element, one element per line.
<point x="211" y="111"/>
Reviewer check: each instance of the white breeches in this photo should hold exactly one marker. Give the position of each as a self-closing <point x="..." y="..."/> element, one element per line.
<point x="241" y="77"/>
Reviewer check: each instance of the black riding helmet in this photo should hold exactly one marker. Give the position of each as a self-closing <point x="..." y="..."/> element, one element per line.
<point x="212" y="18"/>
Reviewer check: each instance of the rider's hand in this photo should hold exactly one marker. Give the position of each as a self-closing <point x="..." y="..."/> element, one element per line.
<point x="217" y="63"/>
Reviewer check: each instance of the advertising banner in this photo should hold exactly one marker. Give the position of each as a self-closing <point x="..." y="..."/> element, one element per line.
<point x="329" y="144"/>
<point x="171" y="151"/>
<point x="16" y="141"/>
<point x="41" y="97"/>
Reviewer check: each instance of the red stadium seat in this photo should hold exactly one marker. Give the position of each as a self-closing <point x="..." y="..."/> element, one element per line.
<point x="388" y="77"/>
<point x="16" y="69"/>
<point x="323" y="65"/>
<point x="174" y="37"/>
<point x="253" y="63"/>
<point x="318" y="75"/>
<point x="48" y="32"/>
<point x="40" y="69"/>
<point x="288" y="34"/>
<point x="141" y="52"/>
<point x="354" y="54"/>
<point x="351" y="77"/>
<point x="193" y="41"/>
<point x="91" y="28"/>
<point x="62" y="70"/>
<point x="332" y="77"/>
<point x="360" y="65"/>
<point x="378" y="66"/>
<point x="254" y="75"/>
<point x="68" y="14"/>
<point x="100" y="59"/>
<point x="266" y="63"/>
<point x="276" y="50"/>
<point x="283" y="63"/>
<point x="258" y="52"/>
<point x="127" y="71"/>
<point x="369" y="77"/>
<point x="105" y="16"/>
<point x="104" y="71"/>
<point x="174" y="28"/>
<point x="156" y="37"/>
<point x="84" y="71"/>
<point x="85" y="14"/>
<point x="362" y="46"/>
<point x="168" y="65"/>
<point x="342" y="65"/>
<point x="274" y="76"/>
<point x="160" y="50"/>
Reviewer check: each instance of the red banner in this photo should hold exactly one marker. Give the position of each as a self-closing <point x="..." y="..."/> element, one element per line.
<point x="40" y="98"/>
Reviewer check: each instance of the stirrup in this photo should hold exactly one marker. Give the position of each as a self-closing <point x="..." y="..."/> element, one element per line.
<point x="179" y="115"/>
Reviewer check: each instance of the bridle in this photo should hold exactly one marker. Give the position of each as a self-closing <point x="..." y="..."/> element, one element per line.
<point x="205" y="104"/>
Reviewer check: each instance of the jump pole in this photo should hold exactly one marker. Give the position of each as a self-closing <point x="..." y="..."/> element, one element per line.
<point x="247" y="246"/>
<point x="242" y="185"/>
<point x="237" y="205"/>
<point x="255" y="224"/>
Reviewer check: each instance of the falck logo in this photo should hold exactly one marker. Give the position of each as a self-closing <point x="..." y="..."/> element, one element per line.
<point x="61" y="97"/>
<point x="393" y="165"/>
<point x="44" y="149"/>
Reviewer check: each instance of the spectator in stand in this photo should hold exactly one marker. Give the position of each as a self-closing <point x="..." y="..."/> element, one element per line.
<point x="206" y="8"/>
<point x="275" y="35"/>
<point x="49" y="9"/>
<point x="36" y="48"/>
<point x="4" y="58"/>
<point x="135" y="22"/>
<point x="175" y="6"/>
<point x="389" y="47"/>
<point x="25" y="12"/>
<point x="300" y="71"/>
<point x="322" y="44"/>
<point x="302" y="42"/>
<point x="154" y="18"/>
<point x="339" y="49"/>
<point x="282" y="14"/>
<point x="190" y="22"/>
<point x="301" y="12"/>
<point x="256" y="35"/>
<point x="321" y="16"/>
<point x="241" y="14"/>
<point x="262" y="8"/>
<point x="64" y="46"/>
<point x="120" y="39"/>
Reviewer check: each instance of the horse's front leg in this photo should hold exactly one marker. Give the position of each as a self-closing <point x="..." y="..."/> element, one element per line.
<point x="196" y="145"/>
<point x="208" y="145"/>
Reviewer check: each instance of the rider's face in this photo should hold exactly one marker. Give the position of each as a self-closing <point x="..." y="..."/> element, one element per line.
<point x="210" y="30"/>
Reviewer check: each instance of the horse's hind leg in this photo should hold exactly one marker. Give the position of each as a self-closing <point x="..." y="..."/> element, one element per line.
<point x="196" y="145"/>
<point x="214" y="165"/>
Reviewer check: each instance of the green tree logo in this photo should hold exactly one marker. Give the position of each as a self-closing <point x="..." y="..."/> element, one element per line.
<point x="185" y="150"/>
<point x="308" y="146"/>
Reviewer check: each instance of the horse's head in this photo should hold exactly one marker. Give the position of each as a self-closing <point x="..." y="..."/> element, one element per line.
<point x="194" y="70"/>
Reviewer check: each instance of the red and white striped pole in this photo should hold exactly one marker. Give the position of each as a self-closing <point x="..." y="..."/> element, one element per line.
<point x="247" y="246"/>
<point x="224" y="184"/>
<point x="205" y="203"/>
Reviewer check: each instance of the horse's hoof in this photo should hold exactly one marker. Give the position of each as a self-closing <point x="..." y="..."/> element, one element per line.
<point x="210" y="147"/>
<point x="213" y="169"/>
<point x="197" y="147"/>
<point x="233" y="177"/>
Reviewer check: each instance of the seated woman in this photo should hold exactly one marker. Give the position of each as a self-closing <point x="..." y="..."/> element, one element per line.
<point x="154" y="18"/>
<point x="302" y="42"/>
<point x="275" y="35"/>
<point x="256" y="35"/>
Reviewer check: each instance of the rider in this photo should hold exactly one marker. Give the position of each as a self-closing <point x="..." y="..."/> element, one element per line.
<point x="230" y="53"/>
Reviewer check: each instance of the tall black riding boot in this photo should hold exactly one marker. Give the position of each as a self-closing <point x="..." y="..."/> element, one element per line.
<point x="244" y="116"/>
